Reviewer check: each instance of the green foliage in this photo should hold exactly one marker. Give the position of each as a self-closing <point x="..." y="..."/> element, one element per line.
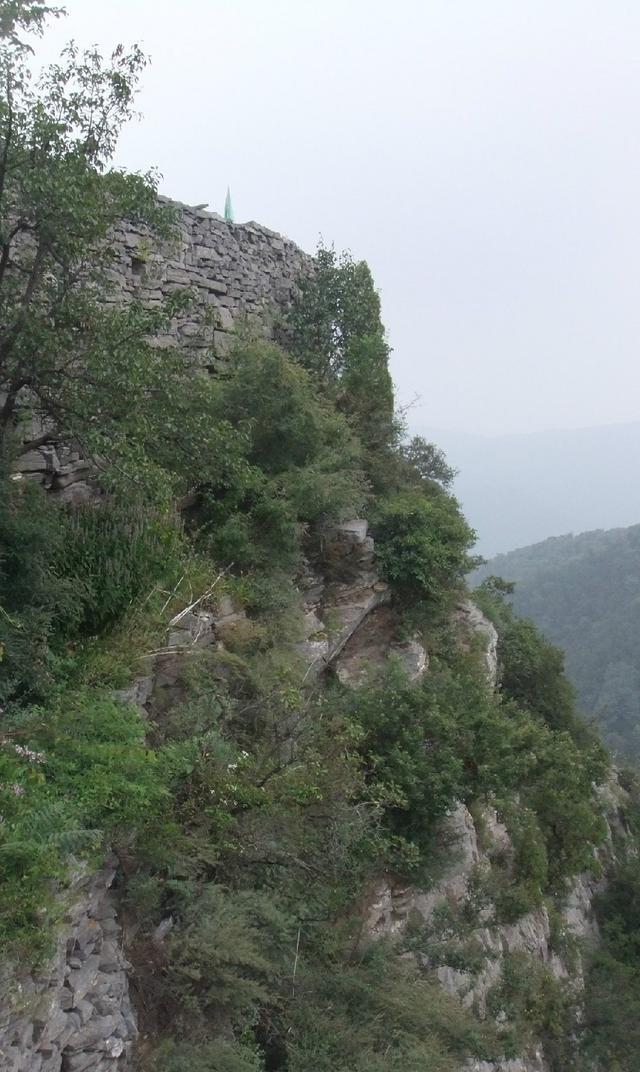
<point x="414" y="769"/>
<point x="533" y="673"/>
<point x="338" y="306"/>
<point x="538" y="1006"/>
<point x="32" y="595"/>
<point x="448" y="938"/>
<point x="425" y="747"/>
<point x="69" y="572"/>
<point x="376" y="1013"/>
<point x="428" y="462"/>
<point x="519" y="872"/>
<point x="612" y="1006"/>
<point x="303" y="464"/>
<point x="218" y="1056"/>
<point x="228" y="952"/>
<point x="335" y="331"/>
<point x="114" y="553"/>
<point x="422" y="544"/>
<point x="531" y="668"/>
<point x="72" y="774"/>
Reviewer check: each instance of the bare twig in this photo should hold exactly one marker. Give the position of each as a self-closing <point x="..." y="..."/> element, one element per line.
<point x="295" y="964"/>
<point x="171" y="595"/>
<point x="178" y="617"/>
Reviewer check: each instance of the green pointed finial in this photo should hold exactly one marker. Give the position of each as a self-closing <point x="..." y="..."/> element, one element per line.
<point x="228" y="207"/>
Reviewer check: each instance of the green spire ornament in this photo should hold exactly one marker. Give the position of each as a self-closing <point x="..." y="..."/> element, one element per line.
<point x="228" y="207"/>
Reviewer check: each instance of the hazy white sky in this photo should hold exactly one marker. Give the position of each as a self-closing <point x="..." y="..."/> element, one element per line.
<point x="482" y="155"/>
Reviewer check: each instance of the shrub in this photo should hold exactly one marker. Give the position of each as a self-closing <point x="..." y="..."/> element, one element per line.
<point x="303" y="463"/>
<point x="33" y="595"/>
<point x="377" y="1013"/>
<point x="537" y="1006"/>
<point x="422" y="544"/>
<point x="218" y="1056"/>
<point x="228" y="951"/>
<point x="73" y="774"/>
<point x="112" y="555"/>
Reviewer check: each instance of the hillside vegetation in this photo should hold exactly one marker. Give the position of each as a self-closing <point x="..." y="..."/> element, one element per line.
<point x="255" y="812"/>
<point x="583" y="592"/>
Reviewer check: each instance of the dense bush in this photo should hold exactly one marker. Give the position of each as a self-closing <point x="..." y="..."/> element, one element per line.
<point x="538" y="1006"/>
<point x="345" y="1021"/>
<point x="302" y="466"/>
<point x="422" y="543"/>
<point x="72" y="774"/>
<point x="334" y="330"/>
<point x="425" y="747"/>
<point x="611" y="1026"/>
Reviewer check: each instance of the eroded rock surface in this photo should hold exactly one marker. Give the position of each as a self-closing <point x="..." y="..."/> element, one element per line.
<point x="474" y="629"/>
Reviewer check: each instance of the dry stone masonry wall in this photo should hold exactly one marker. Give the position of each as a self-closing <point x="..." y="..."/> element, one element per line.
<point x="235" y="273"/>
<point x="76" y="1015"/>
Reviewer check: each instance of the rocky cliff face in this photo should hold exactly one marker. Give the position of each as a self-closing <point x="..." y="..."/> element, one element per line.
<point x="462" y="938"/>
<point x="466" y="945"/>
<point x="77" y="1016"/>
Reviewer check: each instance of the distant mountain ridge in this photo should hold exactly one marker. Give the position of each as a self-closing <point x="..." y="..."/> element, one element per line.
<point x="517" y="490"/>
<point x="584" y="593"/>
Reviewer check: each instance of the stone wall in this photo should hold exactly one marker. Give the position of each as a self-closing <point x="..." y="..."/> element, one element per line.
<point x="75" y="1015"/>
<point x="234" y="272"/>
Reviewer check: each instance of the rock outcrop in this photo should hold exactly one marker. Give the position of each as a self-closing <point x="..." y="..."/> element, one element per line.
<point x="452" y="930"/>
<point x="350" y="626"/>
<point x="77" y="1016"/>
<point x="475" y="630"/>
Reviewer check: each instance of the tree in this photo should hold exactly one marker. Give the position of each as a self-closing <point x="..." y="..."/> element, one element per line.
<point x="429" y="462"/>
<point x="336" y="332"/>
<point x="82" y="369"/>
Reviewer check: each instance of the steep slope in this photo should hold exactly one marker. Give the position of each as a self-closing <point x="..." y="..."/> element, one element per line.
<point x="584" y="594"/>
<point x="490" y="956"/>
<point x="263" y="806"/>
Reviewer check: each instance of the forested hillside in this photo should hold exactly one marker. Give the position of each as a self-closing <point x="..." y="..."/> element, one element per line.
<point x="583" y="592"/>
<point x="335" y="845"/>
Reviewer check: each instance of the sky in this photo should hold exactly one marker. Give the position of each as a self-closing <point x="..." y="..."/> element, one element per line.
<point x="482" y="155"/>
